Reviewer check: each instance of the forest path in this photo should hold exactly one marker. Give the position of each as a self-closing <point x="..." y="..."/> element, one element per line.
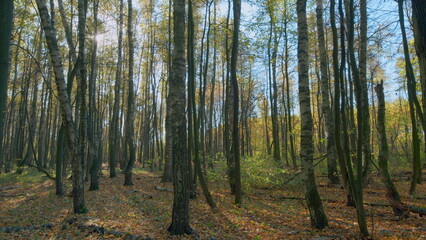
<point x="28" y="204"/>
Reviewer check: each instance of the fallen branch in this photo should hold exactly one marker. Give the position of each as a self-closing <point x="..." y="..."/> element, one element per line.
<point x="9" y="187"/>
<point x="377" y="204"/>
<point x="291" y="198"/>
<point x="93" y="229"/>
<point x="302" y="198"/>
<point x="163" y="189"/>
<point x="43" y="171"/>
<point x="297" y="174"/>
<point x="419" y="210"/>
<point x="414" y="209"/>
<point x="13" y="195"/>
<point x="143" y="194"/>
<point x="24" y="228"/>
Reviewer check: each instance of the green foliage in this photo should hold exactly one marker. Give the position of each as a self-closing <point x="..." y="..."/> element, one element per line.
<point x="29" y="175"/>
<point x="217" y="173"/>
<point x="257" y="172"/>
<point x="261" y="173"/>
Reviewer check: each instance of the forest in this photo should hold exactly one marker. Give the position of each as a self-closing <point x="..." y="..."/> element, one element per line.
<point x="212" y="119"/>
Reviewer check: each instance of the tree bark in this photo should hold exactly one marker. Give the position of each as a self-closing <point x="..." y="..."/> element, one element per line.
<point x="195" y="120"/>
<point x="52" y="43"/>
<point x="93" y="129"/>
<point x="364" y="92"/>
<point x="273" y="88"/>
<point x="411" y="88"/>
<point x="181" y="176"/>
<point x="356" y="183"/>
<point x="391" y="192"/>
<point x="235" y="148"/>
<point x="82" y="83"/>
<point x="419" y="28"/>
<point x="332" y="174"/>
<point x="114" y="126"/>
<point x="313" y="200"/>
<point x="168" y="173"/>
<point x="130" y="102"/>
<point x="6" y="23"/>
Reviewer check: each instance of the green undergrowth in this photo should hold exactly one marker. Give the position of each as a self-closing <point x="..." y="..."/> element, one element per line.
<point x="256" y="172"/>
<point x="29" y="175"/>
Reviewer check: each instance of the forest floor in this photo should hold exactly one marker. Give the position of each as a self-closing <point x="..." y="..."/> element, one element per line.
<point x="29" y="209"/>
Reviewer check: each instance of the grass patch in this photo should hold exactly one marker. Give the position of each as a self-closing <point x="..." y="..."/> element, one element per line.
<point x="28" y="176"/>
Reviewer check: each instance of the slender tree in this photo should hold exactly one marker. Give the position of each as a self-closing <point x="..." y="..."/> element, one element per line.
<point x="168" y="173"/>
<point x="273" y="88"/>
<point x="61" y="144"/>
<point x="181" y="176"/>
<point x="333" y="177"/>
<point x="356" y="183"/>
<point x="93" y="132"/>
<point x="419" y="28"/>
<point x="412" y="99"/>
<point x="65" y="106"/>
<point x="195" y="121"/>
<point x="130" y="101"/>
<point x="313" y="199"/>
<point x="82" y="83"/>
<point x="391" y="192"/>
<point x="6" y="22"/>
<point x="114" y="126"/>
<point x="366" y="129"/>
<point x="235" y="148"/>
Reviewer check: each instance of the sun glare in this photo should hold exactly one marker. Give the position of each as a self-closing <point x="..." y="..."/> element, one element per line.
<point x="99" y="38"/>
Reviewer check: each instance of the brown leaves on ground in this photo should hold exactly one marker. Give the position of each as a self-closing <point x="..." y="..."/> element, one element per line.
<point x="144" y="212"/>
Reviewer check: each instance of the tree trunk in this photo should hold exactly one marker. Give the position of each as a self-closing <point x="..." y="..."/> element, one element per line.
<point x="114" y="140"/>
<point x="411" y="88"/>
<point x="364" y="92"/>
<point x="287" y="88"/>
<point x="6" y="22"/>
<point x="195" y="120"/>
<point x="235" y="148"/>
<point x="181" y="165"/>
<point x="356" y="184"/>
<point x="313" y="200"/>
<point x="130" y="141"/>
<point x="168" y="173"/>
<point x="391" y="192"/>
<point x="82" y="83"/>
<point x="93" y="131"/>
<point x="52" y="43"/>
<point x="419" y="27"/>
<point x="273" y="89"/>
<point x="332" y="175"/>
